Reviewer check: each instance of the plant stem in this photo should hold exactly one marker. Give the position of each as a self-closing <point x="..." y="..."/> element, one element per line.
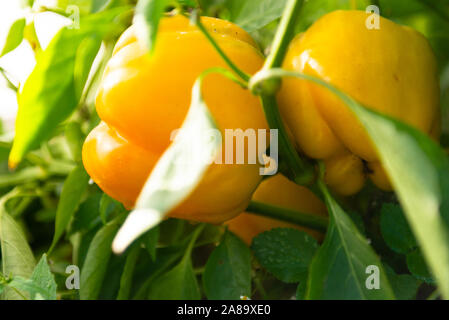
<point x="302" y="219"/>
<point x="299" y="170"/>
<point x="283" y="35"/>
<point x="212" y="41"/>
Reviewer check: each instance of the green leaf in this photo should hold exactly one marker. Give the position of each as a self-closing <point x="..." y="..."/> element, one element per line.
<point x="404" y="286"/>
<point x="17" y="257"/>
<point x="74" y="187"/>
<point x="418" y="267"/>
<point x="43" y="277"/>
<point x="177" y="284"/>
<point x="96" y="261"/>
<point x="128" y="271"/>
<point x="167" y="258"/>
<point x="395" y="229"/>
<point x="177" y="173"/>
<point x="87" y="215"/>
<point x="75" y="139"/>
<point x="41" y="285"/>
<point x="22" y="176"/>
<point x="15" y="36"/>
<point x="85" y="56"/>
<point x="107" y="206"/>
<point x="26" y="285"/>
<point x="254" y="14"/>
<point x="339" y="269"/>
<point x="150" y="240"/>
<point x="51" y="93"/>
<point x="285" y="252"/>
<point x="227" y="275"/>
<point x="146" y="20"/>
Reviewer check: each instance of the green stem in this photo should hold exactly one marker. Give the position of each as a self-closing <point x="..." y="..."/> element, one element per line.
<point x="302" y="219"/>
<point x="212" y="41"/>
<point x="284" y="34"/>
<point x="298" y="169"/>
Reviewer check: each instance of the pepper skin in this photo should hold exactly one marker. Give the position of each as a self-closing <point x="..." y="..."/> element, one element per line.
<point x="278" y="191"/>
<point x="143" y="98"/>
<point x="391" y="70"/>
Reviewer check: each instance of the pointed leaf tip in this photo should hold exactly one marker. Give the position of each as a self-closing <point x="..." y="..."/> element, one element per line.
<point x="138" y="221"/>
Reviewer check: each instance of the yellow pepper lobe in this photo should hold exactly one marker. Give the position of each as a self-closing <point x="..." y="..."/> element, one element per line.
<point x="143" y="98"/>
<point x="391" y="70"/>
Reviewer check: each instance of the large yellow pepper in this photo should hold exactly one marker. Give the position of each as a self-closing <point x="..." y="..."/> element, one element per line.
<point x="391" y="70"/>
<point x="278" y="191"/>
<point x="143" y="98"/>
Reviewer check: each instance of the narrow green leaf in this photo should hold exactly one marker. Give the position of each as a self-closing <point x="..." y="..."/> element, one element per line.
<point x="177" y="284"/>
<point x="96" y="261"/>
<point x="72" y="192"/>
<point x="227" y="275"/>
<point x="339" y="269"/>
<point x="128" y="272"/>
<point x="107" y="205"/>
<point x="22" y="176"/>
<point x="51" y="92"/>
<point x="87" y="215"/>
<point x="15" y="36"/>
<point x="285" y="252"/>
<point x="75" y="139"/>
<point x="177" y="173"/>
<point x="146" y="20"/>
<point x="85" y="56"/>
<point x="17" y="257"/>
<point x="150" y="240"/>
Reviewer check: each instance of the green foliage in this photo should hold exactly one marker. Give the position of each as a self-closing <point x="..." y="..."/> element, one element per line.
<point x="344" y="254"/>
<point x="15" y="36"/>
<point x="40" y="286"/>
<point x="74" y="188"/>
<point x="418" y="267"/>
<point x="180" y="282"/>
<point x="51" y="93"/>
<point x="405" y="286"/>
<point x="47" y="201"/>
<point x="395" y="229"/>
<point x="286" y="253"/>
<point x="146" y="20"/>
<point x="96" y="261"/>
<point x="227" y="275"/>
<point x="17" y="257"/>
